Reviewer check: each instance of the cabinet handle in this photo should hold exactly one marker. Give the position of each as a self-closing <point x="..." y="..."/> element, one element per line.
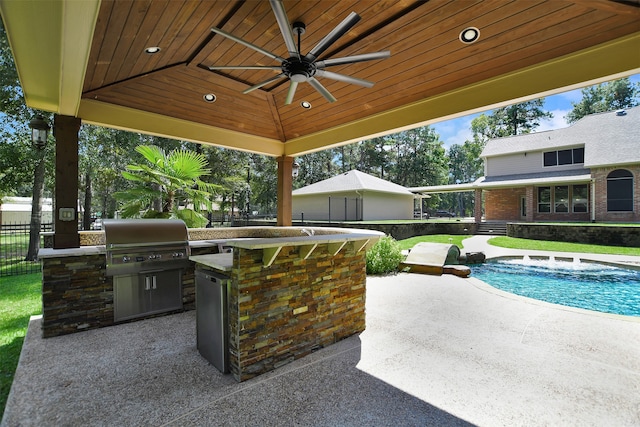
<point x="153" y="281"/>
<point x="147" y="283"/>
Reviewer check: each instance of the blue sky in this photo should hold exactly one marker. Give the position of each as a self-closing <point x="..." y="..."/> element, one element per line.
<point x="458" y="130"/>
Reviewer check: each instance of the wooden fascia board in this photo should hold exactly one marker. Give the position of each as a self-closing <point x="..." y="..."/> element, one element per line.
<point x="50" y="42"/>
<point x="129" y="119"/>
<point x="611" y="60"/>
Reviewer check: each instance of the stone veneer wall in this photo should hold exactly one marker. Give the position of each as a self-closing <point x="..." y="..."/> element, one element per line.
<point x="590" y="234"/>
<point x="293" y="307"/>
<point x="77" y="295"/>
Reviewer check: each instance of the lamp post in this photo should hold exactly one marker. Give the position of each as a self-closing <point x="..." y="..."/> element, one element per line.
<point x="39" y="134"/>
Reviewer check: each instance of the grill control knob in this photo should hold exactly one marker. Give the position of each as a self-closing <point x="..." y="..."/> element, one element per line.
<point x="126" y="258"/>
<point x="178" y="254"/>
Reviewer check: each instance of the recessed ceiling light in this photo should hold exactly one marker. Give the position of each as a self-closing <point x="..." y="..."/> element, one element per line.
<point x="469" y="35"/>
<point x="152" y="49"/>
<point x="305" y="104"/>
<point x="209" y="97"/>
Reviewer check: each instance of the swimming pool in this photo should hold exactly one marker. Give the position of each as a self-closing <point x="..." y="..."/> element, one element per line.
<point x="586" y="285"/>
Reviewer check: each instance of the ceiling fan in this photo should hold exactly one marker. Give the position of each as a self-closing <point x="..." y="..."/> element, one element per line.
<point x="298" y="68"/>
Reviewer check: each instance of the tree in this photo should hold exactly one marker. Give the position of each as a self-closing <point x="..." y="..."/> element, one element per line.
<point x="465" y="166"/>
<point x="609" y="96"/>
<point x="174" y="178"/>
<point x="316" y="167"/>
<point x="516" y="119"/>
<point x="420" y="158"/>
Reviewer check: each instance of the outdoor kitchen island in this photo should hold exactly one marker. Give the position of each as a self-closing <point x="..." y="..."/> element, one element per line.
<point x="290" y="293"/>
<point x="290" y="296"/>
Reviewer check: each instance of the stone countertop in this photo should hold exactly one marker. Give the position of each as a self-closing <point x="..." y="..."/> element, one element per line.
<point x="262" y="243"/>
<point x="81" y="251"/>
<point x="220" y="262"/>
<point x="241" y="242"/>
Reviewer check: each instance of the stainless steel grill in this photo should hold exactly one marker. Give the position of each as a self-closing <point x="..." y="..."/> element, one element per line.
<point x="146" y="259"/>
<point x="136" y="245"/>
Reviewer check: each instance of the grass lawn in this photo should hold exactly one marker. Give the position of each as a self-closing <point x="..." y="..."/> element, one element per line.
<point x="20" y="298"/>
<point x="543" y="245"/>
<point x="434" y="238"/>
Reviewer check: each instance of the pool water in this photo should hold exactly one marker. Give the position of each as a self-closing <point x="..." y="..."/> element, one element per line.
<point x="586" y="285"/>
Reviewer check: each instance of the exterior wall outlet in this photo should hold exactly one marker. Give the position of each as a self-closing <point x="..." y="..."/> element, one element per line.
<point x="66" y="214"/>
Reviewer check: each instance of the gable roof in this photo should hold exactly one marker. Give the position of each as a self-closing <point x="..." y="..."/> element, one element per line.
<point x="353" y="180"/>
<point x="609" y="139"/>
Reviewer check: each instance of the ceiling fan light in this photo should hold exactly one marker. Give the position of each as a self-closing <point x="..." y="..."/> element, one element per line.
<point x="469" y="35"/>
<point x="299" y="77"/>
<point x="306" y="105"/>
<point x="151" y="50"/>
<point x="209" y="97"/>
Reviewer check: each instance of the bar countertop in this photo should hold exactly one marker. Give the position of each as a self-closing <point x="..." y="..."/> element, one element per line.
<point x="221" y="262"/>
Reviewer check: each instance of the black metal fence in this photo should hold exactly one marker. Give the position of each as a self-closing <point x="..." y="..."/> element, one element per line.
<point x="14" y="244"/>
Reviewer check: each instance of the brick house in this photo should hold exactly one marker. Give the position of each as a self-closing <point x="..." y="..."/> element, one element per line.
<point x="589" y="171"/>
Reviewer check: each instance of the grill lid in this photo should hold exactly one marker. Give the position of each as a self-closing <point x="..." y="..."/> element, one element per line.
<point x="133" y="232"/>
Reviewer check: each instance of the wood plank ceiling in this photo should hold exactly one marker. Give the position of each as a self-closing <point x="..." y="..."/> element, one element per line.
<point x="427" y="58"/>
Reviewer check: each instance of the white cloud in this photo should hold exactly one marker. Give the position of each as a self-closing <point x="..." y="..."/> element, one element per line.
<point x="558" y="121"/>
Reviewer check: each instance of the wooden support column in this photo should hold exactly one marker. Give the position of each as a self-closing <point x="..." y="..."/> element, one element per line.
<point x="285" y="187"/>
<point x="66" y="130"/>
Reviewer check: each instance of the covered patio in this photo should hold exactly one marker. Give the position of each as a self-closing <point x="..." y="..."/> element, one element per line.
<point x="157" y="67"/>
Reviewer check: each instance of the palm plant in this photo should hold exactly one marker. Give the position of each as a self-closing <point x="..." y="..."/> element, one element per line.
<point x="173" y="179"/>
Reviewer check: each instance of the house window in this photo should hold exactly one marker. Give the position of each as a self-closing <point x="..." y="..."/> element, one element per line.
<point x="563" y="157"/>
<point x="561" y="198"/>
<point x="620" y="191"/>
<point x="544" y="199"/>
<point x="580" y="198"/>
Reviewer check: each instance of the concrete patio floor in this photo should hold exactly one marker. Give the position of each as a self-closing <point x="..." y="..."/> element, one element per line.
<point x="437" y="350"/>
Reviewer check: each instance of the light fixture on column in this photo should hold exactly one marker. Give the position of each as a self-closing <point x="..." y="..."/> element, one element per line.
<point x="295" y="169"/>
<point x="39" y="132"/>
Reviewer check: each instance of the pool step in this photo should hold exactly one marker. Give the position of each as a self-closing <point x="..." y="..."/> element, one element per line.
<point x="492" y="228"/>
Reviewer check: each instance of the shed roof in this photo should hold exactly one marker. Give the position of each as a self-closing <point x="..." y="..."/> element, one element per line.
<point x="610" y="138"/>
<point x="353" y="180"/>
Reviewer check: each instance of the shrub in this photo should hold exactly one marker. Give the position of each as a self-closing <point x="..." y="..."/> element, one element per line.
<point x="384" y="256"/>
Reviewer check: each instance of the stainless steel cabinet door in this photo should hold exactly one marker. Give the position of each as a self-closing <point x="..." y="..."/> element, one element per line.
<point x="130" y="299"/>
<point x="166" y="292"/>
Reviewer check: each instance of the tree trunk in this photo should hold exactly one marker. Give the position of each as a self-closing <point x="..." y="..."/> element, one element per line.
<point x="86" y="219"/>
<point x="157" y="203"/>
<point x="36" y="208"/>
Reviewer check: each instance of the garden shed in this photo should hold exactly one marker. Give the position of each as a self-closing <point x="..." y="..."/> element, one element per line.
<point x="352" y="196"/>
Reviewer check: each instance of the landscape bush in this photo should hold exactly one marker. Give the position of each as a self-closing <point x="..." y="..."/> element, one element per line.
<point x="384" y="256"/>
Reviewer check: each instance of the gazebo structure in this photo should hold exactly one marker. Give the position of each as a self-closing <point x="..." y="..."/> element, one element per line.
<point x="157" y="67"/>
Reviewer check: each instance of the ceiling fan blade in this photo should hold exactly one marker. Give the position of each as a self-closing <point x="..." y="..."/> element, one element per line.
<point x="343" y="78"/>
<point x="334" y="35"/>
<point x="292" y="92"/>
<point x="247" y="44"/>
<point x="285" y="27"/>
<point x="266" y="82"/>
<point x="323" y="91"/>
<point x="244" y="67"/>
<point x="353" y="59"/>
